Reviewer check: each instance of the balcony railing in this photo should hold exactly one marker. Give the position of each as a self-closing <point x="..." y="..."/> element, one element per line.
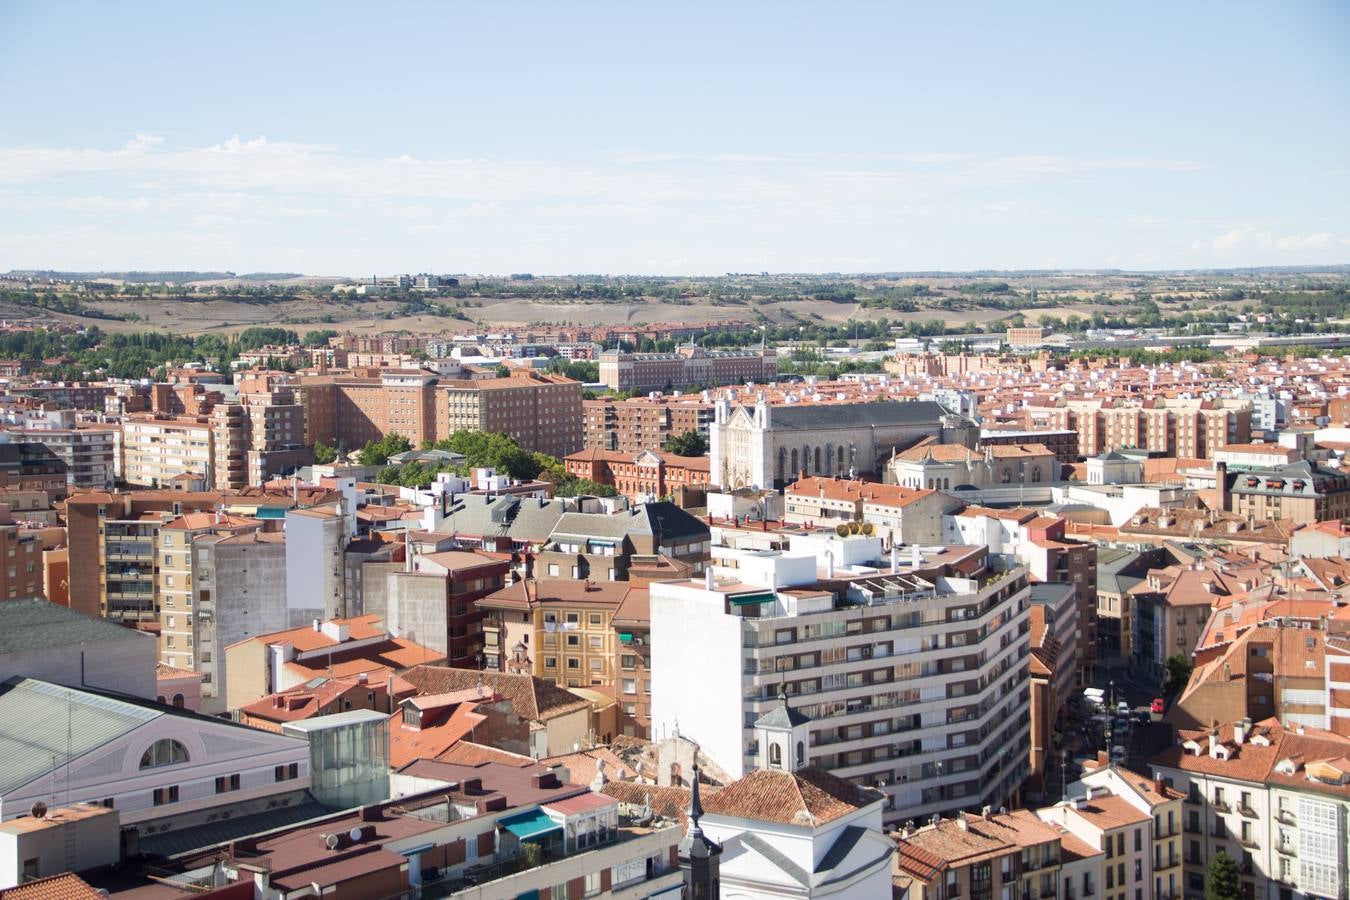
<point x="1246" y="811"/>
<point x="1221" y="805"/>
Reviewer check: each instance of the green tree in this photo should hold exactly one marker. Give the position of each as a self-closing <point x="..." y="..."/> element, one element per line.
<point x="377" y="453"/>
<point x="572" y="487"/>
<point x="1178" y="673"/>
<point x="503" y="370"/>
<point x="324" y="454"/>
<point x="691" y="443"/>
<point x="318" y="338"/>
<point x="1221" y="877"/>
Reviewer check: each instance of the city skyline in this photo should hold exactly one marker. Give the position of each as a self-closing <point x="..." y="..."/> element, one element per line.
<point x="631" y="142"/>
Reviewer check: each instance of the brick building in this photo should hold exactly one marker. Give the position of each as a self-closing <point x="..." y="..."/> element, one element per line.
<point x="648" y="474"/>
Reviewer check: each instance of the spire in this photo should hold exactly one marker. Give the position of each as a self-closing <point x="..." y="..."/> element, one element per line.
<point x="695" y="806"/>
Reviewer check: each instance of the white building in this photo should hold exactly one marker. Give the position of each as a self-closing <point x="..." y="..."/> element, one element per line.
<point x="914" y="670"/>
<point x="146" y="760"/>
<point x="1276" y="800"/>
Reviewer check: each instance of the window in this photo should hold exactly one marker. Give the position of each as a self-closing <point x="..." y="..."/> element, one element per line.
<point x="775" y="756"/>
<point x="164" y="752"/>
<point x="1138" y="839"/>
<point x="287" y="773"/>
<point x="227" y="783"/>
<point x="628" y="661"/>
<point x="573" y="662"/>
<point x="573" y="640"/>
<point x="166" y="795"/>
<point x="594" y="618"/>
<point x="592" y="885"/>
<point x="629" y="686"/>
<point x="550" y="662"/>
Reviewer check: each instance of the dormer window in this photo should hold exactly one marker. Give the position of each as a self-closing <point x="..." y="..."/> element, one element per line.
<point x="164" y="752"/>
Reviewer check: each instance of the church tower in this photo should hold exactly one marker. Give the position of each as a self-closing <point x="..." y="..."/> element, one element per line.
<point x="783" y="737"/>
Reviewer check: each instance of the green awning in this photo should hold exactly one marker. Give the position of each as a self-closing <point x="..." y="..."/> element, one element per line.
<point x="528" y="825"/>
<point x="626" y="637"/>
<point x="747" y="599"/>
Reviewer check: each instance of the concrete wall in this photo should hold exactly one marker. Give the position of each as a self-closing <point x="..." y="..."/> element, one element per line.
<point x="417" y="609"/>
<point x="250" y="599"/>
<point x="126" y="665"/>
<point x="374" y="593"/>
<point x="314" y="545"/>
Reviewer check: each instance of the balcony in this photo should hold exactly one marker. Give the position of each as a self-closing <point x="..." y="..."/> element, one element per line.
<point x="1221" y="805"/>
<point x="1285" y="817"/>
<point x="1285" y="848"/>
<point x="1249" y="842"/>
<point x="1246" y="811"/>
<point x="1171" y="862"/>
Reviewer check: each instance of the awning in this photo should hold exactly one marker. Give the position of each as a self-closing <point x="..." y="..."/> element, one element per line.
<point x="626" y="637"/>
<point x="529" y="825"/>
<point x="748" y="599"/>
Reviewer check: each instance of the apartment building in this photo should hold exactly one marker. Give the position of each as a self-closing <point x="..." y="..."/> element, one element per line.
<point x="540" y="411"/>
<point x="1006" y="854"/>
<point x="602" y="546"/>
<point x="561" y="631"/>
<point x="1194" y="429"/>
<point x="686" y="367"/>
<point x="31" y="466"/>
<point x="439" y="603"/>
<point x="21" y="559"/>
<point x="261" y="435"/>
<point x="642" y="423"/>
<point x="89" y="450"/>
<point x="1118" y="828"/>
<point x="915" y="674"/>
<point x="1303" y="493"/>
<point x="1275" y="799"/>
<point x="179" y="616"/>
<point x="157" y="448"/>
<point x="1171" y="607"/>
<point x="1155" y="798"/>
<point x="632" y="623"/>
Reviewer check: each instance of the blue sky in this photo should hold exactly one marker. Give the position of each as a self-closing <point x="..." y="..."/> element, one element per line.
<point x="341" y="138"/>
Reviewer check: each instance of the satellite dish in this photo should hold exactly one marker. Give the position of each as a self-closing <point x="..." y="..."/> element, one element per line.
<point x="868" y="528"/>
<point x="330" y="841"/>
<point x="38" y="810"/>
<point x="355" y="835"/>
<point x="854" y="528"/>
<point x="841" y="530"/>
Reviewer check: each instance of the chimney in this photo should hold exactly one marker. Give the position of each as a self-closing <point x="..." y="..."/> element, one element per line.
<point x="316" y="625"/>
<point x="895" y="557"/>
<point x="709" y="579"/>
<point x="1214" y="742"/>
<point x="915" y="556"/>
<point x="829" y="564"/>
<point x="1160" y="787"/>
<point x="1239" y="732"/>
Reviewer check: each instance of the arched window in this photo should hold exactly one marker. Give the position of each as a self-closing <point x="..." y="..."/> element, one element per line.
<point x="775" y="756"/>
<point x="159" y="699"/>
<point x="163" y="752"/>
<point x="178" y="700"/>
<point x="1006" y="477"/>
<point x="840" y="469"/>
<point x="818" y="468"/>
<point x="1035" y="474"/>
<point x="796" y="470"/>
<point x="801" y="754"/>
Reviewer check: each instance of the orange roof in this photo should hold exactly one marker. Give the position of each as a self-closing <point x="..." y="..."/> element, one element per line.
<point x="56" y="887"/>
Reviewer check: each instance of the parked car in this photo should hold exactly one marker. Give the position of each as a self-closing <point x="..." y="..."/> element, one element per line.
<point x="1156" y="706"/>
<point x="1118" y="753"/>
<point x="1144" y="719"/>
<point x="1123" y="708"/>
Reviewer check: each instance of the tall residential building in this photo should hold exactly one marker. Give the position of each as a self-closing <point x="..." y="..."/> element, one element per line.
<point x="541" y="412"/>
<point x="89" y="450"/>
<point x="261" y="435"/>
<point x="685" y="367"/>
<point x="31" y="466"/>
<point x="187" y="607"/>
<point x="914" y="672"/>
<point x="158" y="448"/>
<point x="21" y="569"/>
<point x="1187" y="428"/>
<point x="437" y="603"/>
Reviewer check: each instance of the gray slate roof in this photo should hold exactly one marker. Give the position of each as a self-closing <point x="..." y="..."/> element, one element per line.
<point x="528" y="519"/>
<point x="880" y="413"/>
<point x="35" y="624"/>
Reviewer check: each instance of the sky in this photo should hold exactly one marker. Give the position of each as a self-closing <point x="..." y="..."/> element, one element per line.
<point x="352" y="138"/>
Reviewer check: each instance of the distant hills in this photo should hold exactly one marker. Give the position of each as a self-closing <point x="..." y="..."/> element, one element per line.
<point x="151" y="277"/>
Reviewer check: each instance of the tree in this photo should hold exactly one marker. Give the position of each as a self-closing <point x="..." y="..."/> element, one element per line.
<point x="318" y="338"/>
<point x="691" y="443"/>
<point x="503" y="370"/>
<point x="1221" y="877"/>
<point x="1178" y="673"/>
<point x="377" y="453"/>
<point x="572" y="487"/>
<point x="324" y="454"/>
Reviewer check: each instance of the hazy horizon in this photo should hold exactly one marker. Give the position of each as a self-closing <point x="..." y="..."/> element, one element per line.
<point x="650" y="141"/>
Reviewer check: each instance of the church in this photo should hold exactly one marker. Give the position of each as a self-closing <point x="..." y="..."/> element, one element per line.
<point x="763" y="446"/>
